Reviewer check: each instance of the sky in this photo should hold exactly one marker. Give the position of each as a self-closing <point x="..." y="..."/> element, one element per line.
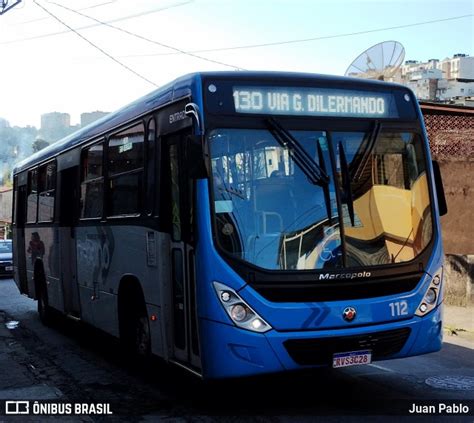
<point x="47" y="67"/>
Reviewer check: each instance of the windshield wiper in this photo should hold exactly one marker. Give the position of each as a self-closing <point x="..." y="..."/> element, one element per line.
<point x="315" y="173"/>
<point x="311" y="169"/>
<point x="346" y="183"/>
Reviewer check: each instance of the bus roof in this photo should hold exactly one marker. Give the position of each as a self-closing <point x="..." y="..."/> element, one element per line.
<point x="184" y="86"/>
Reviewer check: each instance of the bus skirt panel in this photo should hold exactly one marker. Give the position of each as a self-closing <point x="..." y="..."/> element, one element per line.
<point x="232" y="352"/>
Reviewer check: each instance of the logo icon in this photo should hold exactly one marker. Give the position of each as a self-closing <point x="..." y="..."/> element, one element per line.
<point x="349" y="314"/>
<point x="17" y="407"/>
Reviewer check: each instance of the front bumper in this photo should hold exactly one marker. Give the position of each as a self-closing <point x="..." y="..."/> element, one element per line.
<point x="232" y="352"/>
<point x="6" y="269"/>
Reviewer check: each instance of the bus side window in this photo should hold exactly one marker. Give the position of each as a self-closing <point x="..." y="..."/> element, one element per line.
<point x="152" y="172"/>
<point x="47" y="189"/>
<point x="19" y="204"/>
<point x="92" y="181"/>
<point x="32" y="196"/>
<point x="125" y="170"/>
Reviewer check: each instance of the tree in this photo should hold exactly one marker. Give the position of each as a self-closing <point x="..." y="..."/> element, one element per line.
<point x="6" y="177"/>
<point x="39" y="144"/>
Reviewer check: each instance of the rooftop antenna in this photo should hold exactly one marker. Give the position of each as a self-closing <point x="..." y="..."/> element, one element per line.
<point x="381" y="61"/>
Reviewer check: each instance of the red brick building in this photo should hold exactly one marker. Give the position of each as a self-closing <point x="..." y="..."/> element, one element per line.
<point x="451" y="134"/>
<point x="450" y="130"/>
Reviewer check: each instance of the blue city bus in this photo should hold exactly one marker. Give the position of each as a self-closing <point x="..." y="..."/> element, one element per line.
<point x="242" y="223"/>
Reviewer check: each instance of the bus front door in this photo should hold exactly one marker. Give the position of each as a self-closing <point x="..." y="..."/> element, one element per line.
<point x="67" y="240"/>
<point x="19" y="256"/>
<point x="184" y="331"/>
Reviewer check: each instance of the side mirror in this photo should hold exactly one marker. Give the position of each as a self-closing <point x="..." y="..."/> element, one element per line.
<point x="192" y="110"/>
<point x="196" y="157"/>
<point x="442" y="205"/>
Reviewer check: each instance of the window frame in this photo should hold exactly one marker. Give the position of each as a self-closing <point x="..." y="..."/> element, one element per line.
<point x="28" y="185"/>
<point x="151" y="164"/>
<point x="54" y="190"/>
<point x="98" y="178"/>
<point x="108" y="177"/>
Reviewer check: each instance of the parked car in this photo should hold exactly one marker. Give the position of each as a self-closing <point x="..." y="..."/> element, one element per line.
<point x="6" y="257"/>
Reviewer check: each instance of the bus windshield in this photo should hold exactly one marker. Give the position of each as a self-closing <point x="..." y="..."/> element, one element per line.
<point x="374" y="210"/>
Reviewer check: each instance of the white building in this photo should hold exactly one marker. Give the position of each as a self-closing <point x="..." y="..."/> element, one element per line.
<point x="413" y="67"/>
<point x="440" y="80"/>
<point x="460" y="66"/>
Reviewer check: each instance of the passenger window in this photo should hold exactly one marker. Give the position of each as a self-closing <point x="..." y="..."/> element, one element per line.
<point x="126" y="150"/>
<point x="47" y="189"/>
<point x="125" y="170"/>
<point x="32" y="197"/>
<point x="92" y="163"/>
<point x="92" y="182"/>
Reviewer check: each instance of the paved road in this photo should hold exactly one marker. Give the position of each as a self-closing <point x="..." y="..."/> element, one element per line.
<point x="75" y="363"/>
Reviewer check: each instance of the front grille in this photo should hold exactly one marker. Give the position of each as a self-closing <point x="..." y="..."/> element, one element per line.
<point x="320" y="351"/>
<point x="337" y="290"/>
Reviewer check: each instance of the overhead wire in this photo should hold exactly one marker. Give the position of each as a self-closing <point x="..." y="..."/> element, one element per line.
<point x="93" y="6"/>
<point x="122" y="18"/>
<point x="141" y="37"/>
<point x="238" y="47"/>
<point x="305" y="40"/>
<point x="94" y="45"/>
<point x="83" y="8"/>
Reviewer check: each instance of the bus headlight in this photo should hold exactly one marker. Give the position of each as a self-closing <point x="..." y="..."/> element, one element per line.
<point x="239" y="311"/>
<point x="432" y="294"/>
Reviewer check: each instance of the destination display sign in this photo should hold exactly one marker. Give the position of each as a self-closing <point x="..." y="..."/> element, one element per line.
<point x="314" y="102"/>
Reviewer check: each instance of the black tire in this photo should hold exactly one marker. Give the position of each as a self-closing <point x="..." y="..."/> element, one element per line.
<point x="142" y="337"/>
<point x="135" y="331"/>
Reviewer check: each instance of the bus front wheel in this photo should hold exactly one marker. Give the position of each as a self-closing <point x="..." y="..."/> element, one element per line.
<point x="135" y="330"/>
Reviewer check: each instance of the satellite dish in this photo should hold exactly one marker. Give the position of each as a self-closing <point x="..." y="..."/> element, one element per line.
<point x="380" y="61"/>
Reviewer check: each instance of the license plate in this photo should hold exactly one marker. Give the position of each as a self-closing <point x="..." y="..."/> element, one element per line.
<point x="353" y="358"/>
<point x="9" y="268"/>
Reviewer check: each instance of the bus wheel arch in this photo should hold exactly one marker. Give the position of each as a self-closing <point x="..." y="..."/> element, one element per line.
<point x="134" y="328"/>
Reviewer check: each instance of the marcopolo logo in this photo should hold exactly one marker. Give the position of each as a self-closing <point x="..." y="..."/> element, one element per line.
<point x="354" y="275"/>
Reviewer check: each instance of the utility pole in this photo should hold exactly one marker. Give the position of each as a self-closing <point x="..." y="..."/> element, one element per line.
<point x="6" y="5"/>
